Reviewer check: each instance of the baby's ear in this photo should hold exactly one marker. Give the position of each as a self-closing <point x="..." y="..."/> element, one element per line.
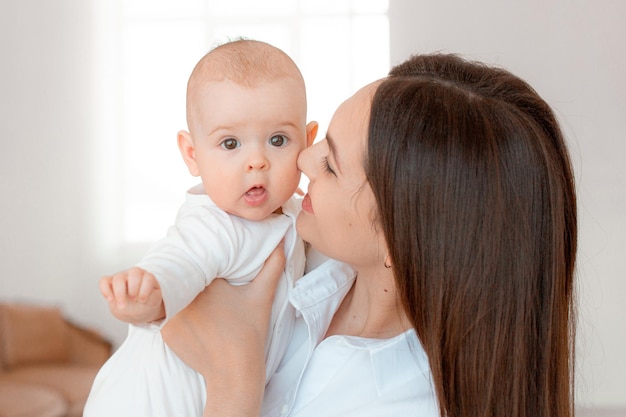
<point x="185" y="145"/>
<point x="311" y="133"/>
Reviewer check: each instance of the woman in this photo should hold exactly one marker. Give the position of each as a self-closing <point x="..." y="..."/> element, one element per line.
<point x="448" y="191"/>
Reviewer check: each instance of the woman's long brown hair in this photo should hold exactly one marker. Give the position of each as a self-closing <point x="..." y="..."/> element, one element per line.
<point x="476" y="198"/>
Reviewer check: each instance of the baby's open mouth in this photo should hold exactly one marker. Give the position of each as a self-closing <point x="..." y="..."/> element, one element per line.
<point x="256" y="195"/>
<point x="255" y="190"/>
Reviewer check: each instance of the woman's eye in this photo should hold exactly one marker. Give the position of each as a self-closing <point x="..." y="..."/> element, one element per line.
<point x="327" y="167"/>
<point x="278" y="140"/>
<point x="230" y="144"/>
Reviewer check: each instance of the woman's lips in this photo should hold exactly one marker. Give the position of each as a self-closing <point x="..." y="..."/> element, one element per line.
<point x="256" y="196"/>
<point x="306" y="204"/>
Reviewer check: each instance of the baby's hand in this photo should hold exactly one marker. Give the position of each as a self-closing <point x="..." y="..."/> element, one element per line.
<point x="134" y="296"/>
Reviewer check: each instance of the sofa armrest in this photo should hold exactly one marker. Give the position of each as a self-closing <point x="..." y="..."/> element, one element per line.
<point x="87" y="347"/>
<point x="32" y="335"/>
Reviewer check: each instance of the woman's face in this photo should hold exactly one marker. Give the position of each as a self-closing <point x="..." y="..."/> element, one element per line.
<point x="338" y="211"/>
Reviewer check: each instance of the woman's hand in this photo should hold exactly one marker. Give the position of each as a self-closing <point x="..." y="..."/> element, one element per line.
<point x="222" y="334"/>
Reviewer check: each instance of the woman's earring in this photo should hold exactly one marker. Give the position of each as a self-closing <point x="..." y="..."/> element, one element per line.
<point x="387" y="262"/>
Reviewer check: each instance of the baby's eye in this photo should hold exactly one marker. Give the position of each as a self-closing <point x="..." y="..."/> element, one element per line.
<point x="278" y="140"/>
<point x="230" y="144"/>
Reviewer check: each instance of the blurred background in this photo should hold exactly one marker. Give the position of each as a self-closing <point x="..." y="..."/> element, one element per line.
<point x="92" y="96"/>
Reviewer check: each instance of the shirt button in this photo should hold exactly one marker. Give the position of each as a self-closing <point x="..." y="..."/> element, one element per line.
<point x="283" y="409"/>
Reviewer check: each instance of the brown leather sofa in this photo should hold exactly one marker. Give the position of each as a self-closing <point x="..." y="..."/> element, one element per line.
<point x="47" y="364"/>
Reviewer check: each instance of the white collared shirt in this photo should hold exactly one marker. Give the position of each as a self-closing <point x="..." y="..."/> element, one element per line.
<point x="345" y="375"/>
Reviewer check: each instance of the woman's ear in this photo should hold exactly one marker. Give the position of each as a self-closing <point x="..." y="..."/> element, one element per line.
<point x="311" y="133"/>
<point x="187" y="150"/>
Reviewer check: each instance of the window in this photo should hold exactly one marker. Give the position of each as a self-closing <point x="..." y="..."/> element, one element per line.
<point x="339" y="45"/>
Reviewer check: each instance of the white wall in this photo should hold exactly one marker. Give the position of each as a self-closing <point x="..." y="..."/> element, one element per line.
<point x="49" y="249"/>
<point x="573" y="52"/>
<point x="52" y="250"/>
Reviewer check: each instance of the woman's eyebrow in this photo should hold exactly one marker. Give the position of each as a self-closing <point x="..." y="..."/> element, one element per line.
<point x="333" y="150"/>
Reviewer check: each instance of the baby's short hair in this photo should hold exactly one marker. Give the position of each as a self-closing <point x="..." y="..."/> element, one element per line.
<point x="245" y="62"/>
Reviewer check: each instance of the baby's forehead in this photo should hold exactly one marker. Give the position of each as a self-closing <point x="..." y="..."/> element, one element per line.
<point x="277" y="101"/>
<point x="288" y="89"/>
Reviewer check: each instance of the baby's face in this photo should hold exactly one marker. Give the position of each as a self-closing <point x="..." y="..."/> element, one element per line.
<point x="247" y="142"/>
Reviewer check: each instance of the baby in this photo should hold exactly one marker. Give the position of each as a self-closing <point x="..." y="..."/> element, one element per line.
<point x="246" y="115"/>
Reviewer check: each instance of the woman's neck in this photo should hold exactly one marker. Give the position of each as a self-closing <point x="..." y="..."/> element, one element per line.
<point x="372" y="308"/>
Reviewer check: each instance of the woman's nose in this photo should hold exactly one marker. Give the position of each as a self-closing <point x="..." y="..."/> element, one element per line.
<point x="305" y="159"/>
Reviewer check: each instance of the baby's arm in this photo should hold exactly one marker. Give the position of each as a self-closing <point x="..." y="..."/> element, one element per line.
<point x="134" y="296"/>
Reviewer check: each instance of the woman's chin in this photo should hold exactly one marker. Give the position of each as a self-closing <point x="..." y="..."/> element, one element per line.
<point x="303" y="225"/>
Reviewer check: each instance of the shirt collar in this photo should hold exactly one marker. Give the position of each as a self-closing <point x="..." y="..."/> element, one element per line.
<point x="292" y="207"/>
<point x="396" y="362"/>
<point x="317" y="295"/>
